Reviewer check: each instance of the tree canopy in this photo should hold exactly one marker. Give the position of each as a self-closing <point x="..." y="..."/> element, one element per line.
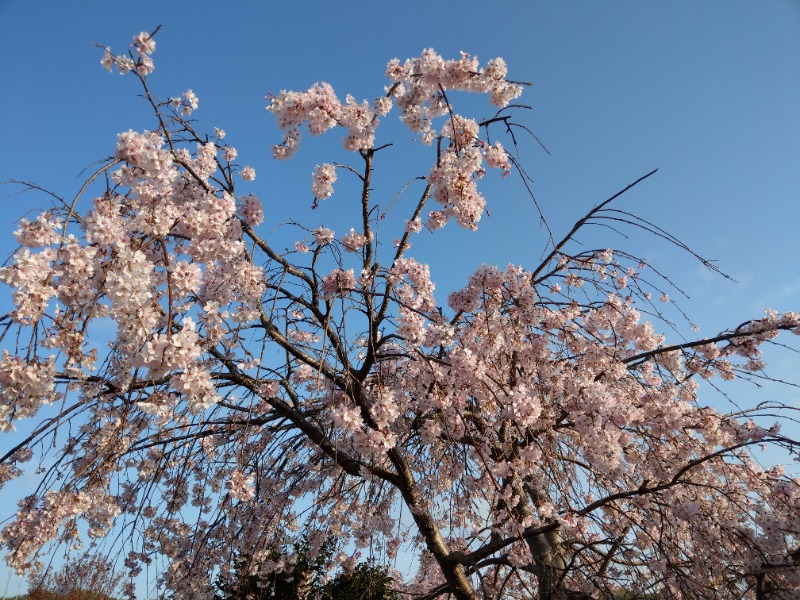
<point x="533" y="435"/>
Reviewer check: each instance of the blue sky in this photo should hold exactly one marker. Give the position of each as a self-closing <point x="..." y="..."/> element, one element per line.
<point x="708" y="92"/>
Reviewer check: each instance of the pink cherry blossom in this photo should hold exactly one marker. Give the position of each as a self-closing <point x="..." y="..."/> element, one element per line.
<point x="248" y="173"/>
<point x="354" y="241"/>
<point x="251" y="210"/>
<point x="338" y="282"/>
<point x="229" y="153"/>
<point x="323" y="178"/>
<point x="323" y="235"/>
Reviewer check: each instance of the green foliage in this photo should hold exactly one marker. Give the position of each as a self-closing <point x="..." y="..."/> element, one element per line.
<point x="307" y="579"/>
<point x="365" y="581"/>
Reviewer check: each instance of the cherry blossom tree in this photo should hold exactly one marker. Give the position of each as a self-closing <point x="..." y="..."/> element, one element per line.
<point x="532" y="435"/>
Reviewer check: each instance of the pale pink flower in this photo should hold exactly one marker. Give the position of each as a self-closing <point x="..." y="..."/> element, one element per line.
<point x="144" y="66"/>
<point x="383" y="105"/>
<point x="348" y="418"/>
<point x="252" y="210"/>
<point x="497" y="157"/>
<point x="41" y="232"/>
<point x="240" y="486"/>
<point x="269" y="389"/>
<point x="205" y="162"/>
<point x="322" y="180"/>
<point x="124" y="64"/>
<point x="606" y="256"/>
<point x="108" y="60"/>
<point x="436" y="220"/>
<point x="229" y="153"/>
<point x="323" y="235"/>
<point x="414" y="226"/>
<point x="188" y="103"/>
<point x="185" y="278"/>
<point x="31" y="276"/>
<point x="354" y="241"/>
<point x="338" y="282"/>
<point x="196" y="385"/>
<point x="144" y="43"/>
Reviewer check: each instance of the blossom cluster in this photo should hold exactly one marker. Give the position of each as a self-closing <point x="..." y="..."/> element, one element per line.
<point x="138" y="61"/>
<point x="419" y="84"/>
<point x="419" y="88"/>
